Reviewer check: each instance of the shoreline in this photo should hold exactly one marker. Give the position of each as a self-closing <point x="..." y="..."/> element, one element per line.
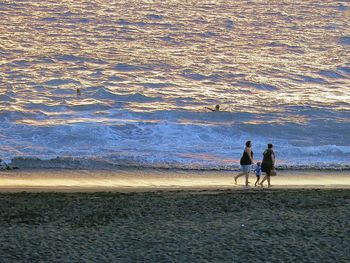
<point x="153" y="180"/>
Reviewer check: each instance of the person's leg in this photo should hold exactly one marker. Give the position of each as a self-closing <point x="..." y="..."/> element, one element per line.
<point x="257" y="180"/>
<point x="263" y="180"/>
<point x="268" y="179"/>
<point x="237" y="176"/>
<point x="246" y="179"/>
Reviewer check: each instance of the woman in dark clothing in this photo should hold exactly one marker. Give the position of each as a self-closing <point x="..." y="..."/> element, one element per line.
<point x="267" y="164"/>
<point x="246" y="162"/>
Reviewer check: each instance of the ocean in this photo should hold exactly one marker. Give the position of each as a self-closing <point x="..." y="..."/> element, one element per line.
<point x="147" y="70"/>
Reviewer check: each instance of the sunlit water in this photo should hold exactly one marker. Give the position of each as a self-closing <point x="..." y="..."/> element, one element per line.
<point x="147" y="69"/>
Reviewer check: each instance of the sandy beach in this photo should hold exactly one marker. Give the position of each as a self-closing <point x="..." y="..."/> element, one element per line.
<point x="130" y="180"/>
<point x="284" y="225"/>
<point x="193" y="217"/>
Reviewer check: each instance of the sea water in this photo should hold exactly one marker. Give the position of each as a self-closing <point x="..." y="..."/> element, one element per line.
<point x="146" y="70"/>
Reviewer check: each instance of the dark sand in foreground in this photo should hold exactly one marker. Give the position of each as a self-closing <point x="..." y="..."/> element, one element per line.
<point x="201" y="217"/>
<point x="285" y="225"/>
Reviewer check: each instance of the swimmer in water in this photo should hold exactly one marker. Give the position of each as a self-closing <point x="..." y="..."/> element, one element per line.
<point x="217" y="108"/>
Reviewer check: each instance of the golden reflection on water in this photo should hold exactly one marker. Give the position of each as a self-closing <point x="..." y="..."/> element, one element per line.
<point x="202" y="50"/>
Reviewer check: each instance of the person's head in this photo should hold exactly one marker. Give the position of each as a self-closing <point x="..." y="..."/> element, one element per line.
<point x="269" y="146"/>
<point x="248" y="143"/>
<point x="258" y="163"/>
<point x="217" y="107"/>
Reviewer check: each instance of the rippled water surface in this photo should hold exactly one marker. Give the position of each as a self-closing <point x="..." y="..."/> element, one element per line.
<point x="147" y="69"/>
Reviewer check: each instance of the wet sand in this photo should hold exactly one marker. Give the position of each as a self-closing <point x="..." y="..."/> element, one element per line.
<point x="130" y="180"/>
<point x="197" y="217"/>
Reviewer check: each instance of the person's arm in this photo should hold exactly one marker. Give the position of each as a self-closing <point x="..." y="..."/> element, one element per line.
<point x="210" y="109"/>
<point x="273" y="158"/>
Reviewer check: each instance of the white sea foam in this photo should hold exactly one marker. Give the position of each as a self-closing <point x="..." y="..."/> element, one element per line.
<point x="158" y="144"/>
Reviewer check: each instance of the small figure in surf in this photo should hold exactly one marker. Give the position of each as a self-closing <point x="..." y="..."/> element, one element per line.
<point x="268" y="164"/>
<point x="217" y="108"/>
<point x="257" y="172"/>
<point x="246" y="162"/>
<point x="78" y="92"/>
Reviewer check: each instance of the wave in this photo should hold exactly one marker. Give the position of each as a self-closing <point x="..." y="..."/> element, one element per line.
<point x="105" y="93"/>
<point x="154" y="16"/>
<point x="169" y="140"/>
<point x="58" y="82"/>
<point x="330" y="74"/>
<point x="6" y="98"/>
<point x="344" y="40"/>
<point x="259" y="86"/>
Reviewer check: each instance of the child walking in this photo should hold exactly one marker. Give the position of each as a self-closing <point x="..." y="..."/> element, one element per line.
<point x="257" y="172"/>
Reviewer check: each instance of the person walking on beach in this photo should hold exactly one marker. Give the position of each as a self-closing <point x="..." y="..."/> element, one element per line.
<point x="257" y="172"/>
<point x="246" y="162"/>
<point x="268" y="164"/>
